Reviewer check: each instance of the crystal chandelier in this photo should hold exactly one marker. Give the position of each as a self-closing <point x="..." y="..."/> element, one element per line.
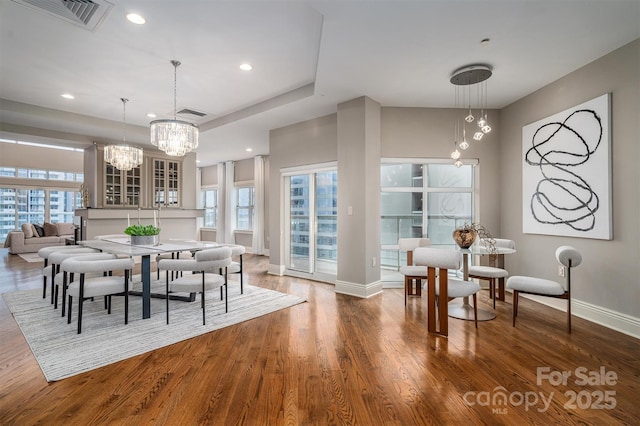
<point x="123" y="156"/>
<point x="174" y="137"/>
<point x="469" y="76"/>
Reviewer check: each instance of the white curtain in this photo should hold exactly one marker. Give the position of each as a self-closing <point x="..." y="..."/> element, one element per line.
<point x="230" y="203"/>
<point x="258" y="206"/>
<point x="220" y="226"/>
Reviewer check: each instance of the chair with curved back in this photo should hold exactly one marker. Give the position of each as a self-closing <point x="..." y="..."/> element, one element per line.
<point x="204" y="265"/>
<point x="567" y="256"/>
<point x="44" y="253"/>
<point x="438" y="263"/>
<point x="88" y="287"/>
<point x="413" y="275"/>
<point x="53" y="257"/>
<point x="493" y="274"/>
<point x="237" y="251"/>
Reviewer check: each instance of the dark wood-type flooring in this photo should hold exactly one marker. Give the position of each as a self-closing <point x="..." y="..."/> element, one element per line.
<point x="334" y="360"/>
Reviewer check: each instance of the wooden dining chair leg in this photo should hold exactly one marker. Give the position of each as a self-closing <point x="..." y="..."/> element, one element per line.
<point x="475" y="309"/>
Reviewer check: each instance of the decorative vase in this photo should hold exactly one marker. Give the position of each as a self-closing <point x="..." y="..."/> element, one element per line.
<point x="144" y="240"/>
<point x="464" y="238"/>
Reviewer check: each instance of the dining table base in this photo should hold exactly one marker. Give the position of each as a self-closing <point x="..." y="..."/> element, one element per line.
<point x="464" y="311"/>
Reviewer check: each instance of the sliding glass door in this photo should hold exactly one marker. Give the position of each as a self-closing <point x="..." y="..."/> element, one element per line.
<point x="311" y="223"/>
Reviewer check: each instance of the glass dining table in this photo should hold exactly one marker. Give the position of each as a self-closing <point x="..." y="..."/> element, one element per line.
<point x="496" y="258"/>
<point x="123" y="246"/>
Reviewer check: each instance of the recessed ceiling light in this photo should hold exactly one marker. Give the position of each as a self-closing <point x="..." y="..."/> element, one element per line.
<point x="135" y="18"/>
<point x="246" y="67"/>
<point x="68" y="96"/>
<point x="151" y="115"/>
<point x="249" y="149"/>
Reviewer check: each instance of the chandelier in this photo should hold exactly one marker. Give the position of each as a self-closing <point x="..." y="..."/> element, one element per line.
<point x="466" y="77"/>
<point x="174" y="137"/>
<point x="123" y="156"/>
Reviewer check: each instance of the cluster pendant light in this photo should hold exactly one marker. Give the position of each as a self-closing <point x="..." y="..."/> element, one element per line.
<point x="174" y="137"/>
<point x="465" y="78"/>
<point x="123" y="156"/>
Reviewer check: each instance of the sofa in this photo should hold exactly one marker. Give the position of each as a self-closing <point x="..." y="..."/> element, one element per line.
<point x="32" y="237"/>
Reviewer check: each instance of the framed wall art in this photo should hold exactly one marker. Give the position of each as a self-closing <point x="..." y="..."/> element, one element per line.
<point x="566" y="172"/>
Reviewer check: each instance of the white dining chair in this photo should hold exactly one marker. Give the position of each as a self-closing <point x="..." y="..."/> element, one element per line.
<point x="439" y="262"/>
<point x="85" y="287"/>
<point x="568" y="257"/>
<point x="492" y="273"/>
<point x="205" y="267"/>
<point x="413" y="275"/>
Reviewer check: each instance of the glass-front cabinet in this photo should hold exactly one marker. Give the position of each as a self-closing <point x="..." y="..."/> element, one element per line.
<point x="166" y="183"/>
<point x="122" y="188"/>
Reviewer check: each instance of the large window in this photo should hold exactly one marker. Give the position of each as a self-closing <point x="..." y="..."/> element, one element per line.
<point x="209" y="202"/>
<point x="426" y="199"/>
<point x="244" y="208"/>
<point x="37" y="195"/>
<point x="35" y="205"/>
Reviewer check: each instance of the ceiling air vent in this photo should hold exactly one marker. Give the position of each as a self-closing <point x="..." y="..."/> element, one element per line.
<point x="192" y="112"/>
<point x="87" y="14"/>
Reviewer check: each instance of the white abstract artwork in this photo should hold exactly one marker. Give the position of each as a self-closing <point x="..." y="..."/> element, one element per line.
<point x="566" y="173"/>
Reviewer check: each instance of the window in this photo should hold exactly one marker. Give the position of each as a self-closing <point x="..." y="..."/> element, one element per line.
<point x="244" y="207"/>
<point x="209" y="202"/>
<point x="428" y="199"/>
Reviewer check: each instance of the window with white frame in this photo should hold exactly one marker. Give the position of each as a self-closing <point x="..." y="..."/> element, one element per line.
<point x="245" y="196"/>
<point x="209" y="202"/>
<point x="426" y="198"/>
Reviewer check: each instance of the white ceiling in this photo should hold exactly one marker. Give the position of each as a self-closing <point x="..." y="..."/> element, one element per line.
<point x="308" y="56"/>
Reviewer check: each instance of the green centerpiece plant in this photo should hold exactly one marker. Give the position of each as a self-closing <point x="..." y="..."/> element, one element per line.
<point x="143" y="234"/>
<point x="142" y="230"/>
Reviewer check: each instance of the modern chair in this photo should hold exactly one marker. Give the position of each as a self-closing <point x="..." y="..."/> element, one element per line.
<point x="86" y="287"/>
<point x="46" y="270"/>
<point x="438" y="263"/>
<point x="172" y="255"/>
<point x="568" y="257"/>
<point x="54" y="257"/>
<point x="205" y="264"/>
<point x="63" y="277"/>
<point x="412" y="273"/>
<point x="237" y="251"/>
<point x="492" y="273"/>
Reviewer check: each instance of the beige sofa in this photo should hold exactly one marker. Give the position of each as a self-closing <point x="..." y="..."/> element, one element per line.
<point x="28" y="241"/>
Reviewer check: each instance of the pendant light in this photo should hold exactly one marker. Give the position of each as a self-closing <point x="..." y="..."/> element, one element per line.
<point x="174" y="137"/>
<point x="123" y="156"/>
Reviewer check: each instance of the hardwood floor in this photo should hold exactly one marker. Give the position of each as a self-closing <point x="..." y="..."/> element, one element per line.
<point x="335" y="360"/>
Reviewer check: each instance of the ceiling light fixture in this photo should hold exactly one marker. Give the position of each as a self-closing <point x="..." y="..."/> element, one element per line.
<point x="246" y="67"/>
<point x="151" y="115"/>
<point x="123" y="156"/>
<point x="174" y="137"/>
<point x="468" y="76"/>
<point x="68" y="96"/>
<point x="136" y="19"/>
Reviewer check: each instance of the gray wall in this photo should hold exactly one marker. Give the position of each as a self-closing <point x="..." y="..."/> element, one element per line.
<point x="309" y="142"/>
<point x="609" y="277"/>
<point x="429" y="133"/>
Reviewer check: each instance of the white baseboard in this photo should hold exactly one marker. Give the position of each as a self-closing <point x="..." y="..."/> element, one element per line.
<point x="359" y="290"/>
<point x="618" y="321"/>
<point x="276" y="269"/>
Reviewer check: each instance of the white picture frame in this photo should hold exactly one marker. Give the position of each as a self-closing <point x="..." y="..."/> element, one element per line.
<point x="566" y="172"/>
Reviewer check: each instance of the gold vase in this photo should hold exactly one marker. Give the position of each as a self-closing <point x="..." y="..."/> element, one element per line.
<point x="464" y="238"/>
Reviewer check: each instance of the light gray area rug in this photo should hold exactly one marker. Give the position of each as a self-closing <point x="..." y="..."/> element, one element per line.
<point x="105" y="339"/>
